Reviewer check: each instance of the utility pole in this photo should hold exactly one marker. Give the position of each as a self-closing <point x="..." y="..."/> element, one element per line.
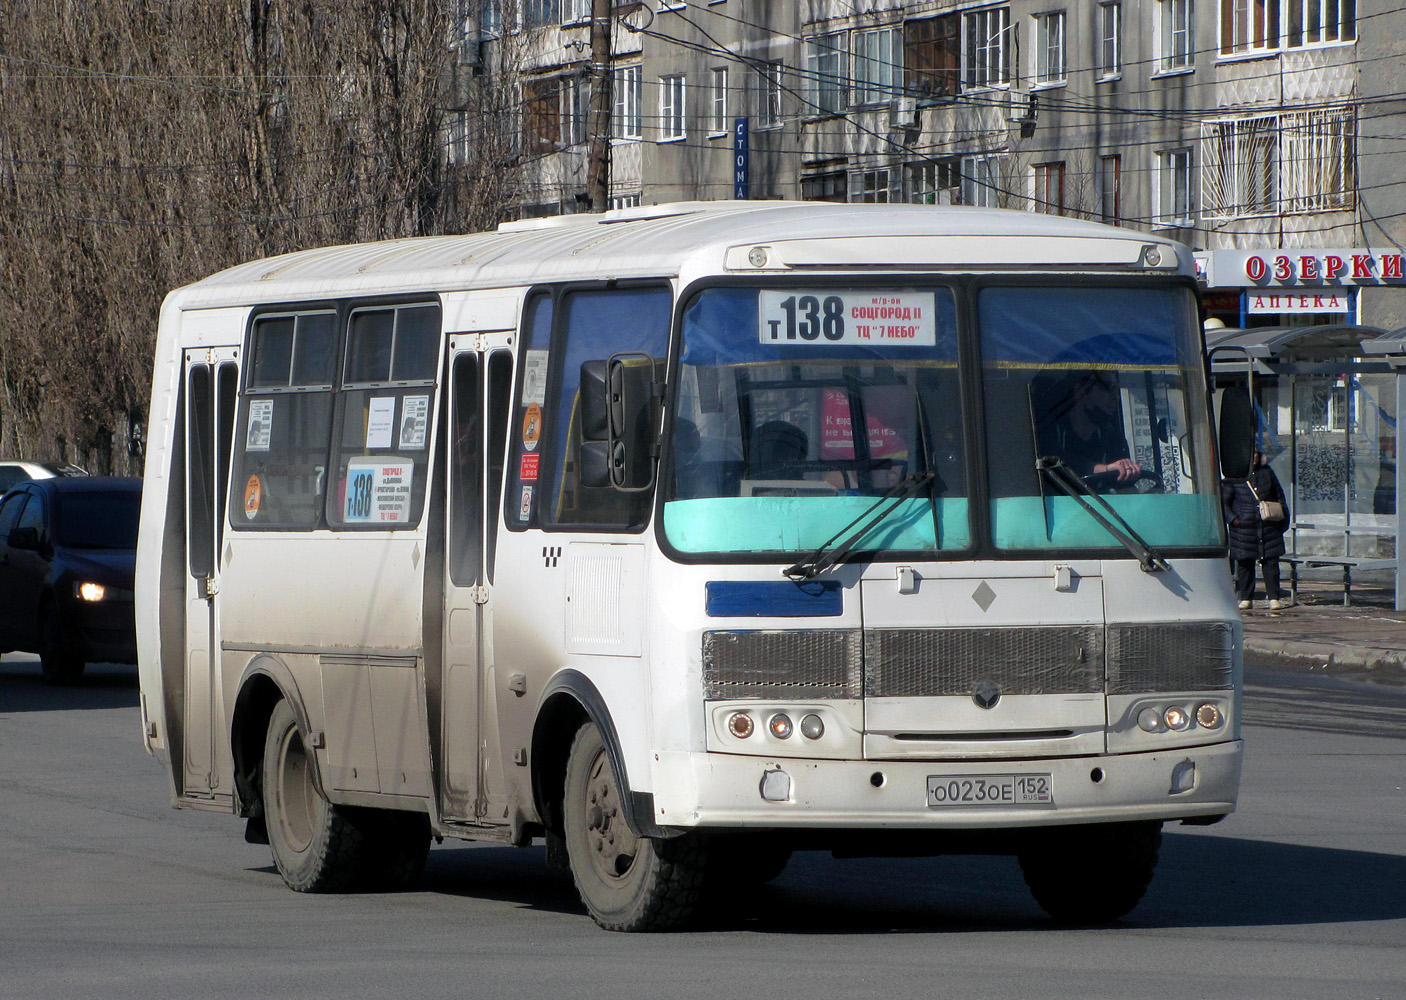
<point x="598" y="117"/>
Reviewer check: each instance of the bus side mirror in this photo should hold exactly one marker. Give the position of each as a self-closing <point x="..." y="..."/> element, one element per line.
<point x="1237" y="432"/>
<point x="633" y="418"/>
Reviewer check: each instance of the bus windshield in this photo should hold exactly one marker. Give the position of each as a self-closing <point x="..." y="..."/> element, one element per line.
<point x="796" y="408"/>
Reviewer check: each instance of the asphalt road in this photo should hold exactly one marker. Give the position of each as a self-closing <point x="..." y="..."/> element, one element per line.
<point x="107" y="892"/>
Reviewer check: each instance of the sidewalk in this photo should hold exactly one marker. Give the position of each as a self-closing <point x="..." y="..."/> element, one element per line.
<point x="1366" y="641"/>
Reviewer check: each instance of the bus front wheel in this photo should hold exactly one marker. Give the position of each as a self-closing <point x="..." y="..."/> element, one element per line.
<point x="628" y="882"/>
<point x="1091" y="874"/>
<point x="316" y="847"/>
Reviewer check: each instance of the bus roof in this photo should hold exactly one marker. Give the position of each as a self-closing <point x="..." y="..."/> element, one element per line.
<point x="661" y="240"/>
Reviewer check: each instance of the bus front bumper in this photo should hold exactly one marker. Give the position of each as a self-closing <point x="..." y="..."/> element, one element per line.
<point x="715" y="790"/>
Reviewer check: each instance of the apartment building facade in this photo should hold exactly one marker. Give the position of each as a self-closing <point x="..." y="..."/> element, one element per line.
<point x="1266" y="134"/>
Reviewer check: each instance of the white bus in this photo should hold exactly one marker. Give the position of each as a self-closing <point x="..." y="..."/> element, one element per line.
<point x="688" y="536"/>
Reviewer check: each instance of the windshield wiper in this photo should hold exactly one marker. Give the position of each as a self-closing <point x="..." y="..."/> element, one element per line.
<point x="825" y="557"/>
<point x="1071" y="485"/>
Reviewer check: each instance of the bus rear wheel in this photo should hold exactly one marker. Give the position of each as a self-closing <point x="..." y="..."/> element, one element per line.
<point x="628" y="882"/>
<point x="315" y="846"/>
<point x="1091" y="874"/>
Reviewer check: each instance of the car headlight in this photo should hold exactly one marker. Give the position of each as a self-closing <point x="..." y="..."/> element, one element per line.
<point x="90" y="591"/>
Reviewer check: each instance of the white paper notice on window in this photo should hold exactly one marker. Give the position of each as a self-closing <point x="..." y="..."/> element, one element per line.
<point x="380" y="422"/>
<point x="414" y="422"/>
<point x="534" y="378"/>
<point x="378" y="491"/>
<point x="260" y="425"/>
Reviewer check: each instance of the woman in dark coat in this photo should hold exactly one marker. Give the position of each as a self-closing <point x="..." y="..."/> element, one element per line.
<point x="1252" y="539"/>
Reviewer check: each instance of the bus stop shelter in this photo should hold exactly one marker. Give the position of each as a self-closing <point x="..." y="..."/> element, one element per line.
<point x="1326" y="402"/>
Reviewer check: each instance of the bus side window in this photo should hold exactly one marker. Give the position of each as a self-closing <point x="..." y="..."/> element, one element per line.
<point x="596" y="324"/>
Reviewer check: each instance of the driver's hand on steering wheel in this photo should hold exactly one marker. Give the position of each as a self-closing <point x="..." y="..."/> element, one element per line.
<point x="1125" y="468"/>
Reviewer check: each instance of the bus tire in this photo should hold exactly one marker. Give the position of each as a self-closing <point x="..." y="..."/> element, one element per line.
<point x="315" y="845"/>
<point x="1091" y="874"/>
<point x="628" y="882"/>
<point x="59" y="664"/>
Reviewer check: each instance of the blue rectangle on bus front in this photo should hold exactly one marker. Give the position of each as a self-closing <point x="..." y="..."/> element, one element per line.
<point x="782" y="599"/>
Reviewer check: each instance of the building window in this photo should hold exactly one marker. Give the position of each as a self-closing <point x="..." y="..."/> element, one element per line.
<point x="538" y="13"/>
<point x="671" y="108"/>
<point x="874" y="186"/>
<point x="986" y="53"/>
<point x="935" y="182"/>
<point x="1177" y="43"/>
<point x="1239" y="169"/>
<point x="1110" y="40"/>
<point x="1049" y="188"/>
<point x="875" y="65"/>
<point x="541" y="124"/>
<point x="825" y="73"/>
<point x="717" y="102"/>
<point x="618" y="201"/>
<point x="1049" y="47"/>
<point x="981" y="181"/>
<point x="1174" y="204"/>
<point x="769" y="90"/>
<point x="574" y="101"/>
<point x="1110" y="180"/>
<point x="1250" y="26"/>
<point x="1318" y="22"/>
<point x="828" y="186"/>
<point x="1318" y="161"/>
<point x="628" y="91"/>
<point x="575" y="11"/>
<point x="932" y="57"/>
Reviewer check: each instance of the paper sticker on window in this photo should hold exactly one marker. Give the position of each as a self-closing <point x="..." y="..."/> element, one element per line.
<point x="260" y="425"/>
<point x="380" y="422"/>
<point x="378" y="491"/>
<point x="532" y="427"/>
<point x="534" y="378"/>
<point x="848" y="317"/>
<point x="253" y="497"/>
<point x="414" y="422"/>
<point x="524" y="507"/>
<point x="527" y="472"/>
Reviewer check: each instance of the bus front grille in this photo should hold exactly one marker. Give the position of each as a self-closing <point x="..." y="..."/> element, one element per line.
<point x="1170" y="656"/>
<point x="900" y="663"/>
<point x="825" y="663"/>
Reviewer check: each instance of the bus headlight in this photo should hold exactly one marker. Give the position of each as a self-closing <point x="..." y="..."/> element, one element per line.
<point x="1177" y="719"/>
<point x="90" y="591"/>
<point x="740" y="725"/>
<point x="780" y="726"/>
<point x="812" y="727"/>
<point x="1149" y="720"/>
<point x="1208" y="716"/>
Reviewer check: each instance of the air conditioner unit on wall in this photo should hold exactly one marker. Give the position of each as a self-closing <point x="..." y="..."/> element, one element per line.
<point x="904" y="113"/>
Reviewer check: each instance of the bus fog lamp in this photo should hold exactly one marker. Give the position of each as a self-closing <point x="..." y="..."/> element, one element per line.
<point x="781" y="726"/>
<point x="1208" y="716"/>
<point x="1149" y="720"/>
<point x="812" y="727"/>
<point x="740" y="725"/>
<point x="1177" y="719"/>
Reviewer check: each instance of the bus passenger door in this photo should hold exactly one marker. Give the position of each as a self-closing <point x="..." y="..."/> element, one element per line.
<point x="212" y="381"/>
<point x="480" y="387"/>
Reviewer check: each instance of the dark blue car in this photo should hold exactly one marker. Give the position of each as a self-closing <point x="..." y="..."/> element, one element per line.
<point x="68" y="549"/>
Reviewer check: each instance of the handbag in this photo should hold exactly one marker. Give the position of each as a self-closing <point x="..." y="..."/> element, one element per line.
<point x="1270" y="510"/>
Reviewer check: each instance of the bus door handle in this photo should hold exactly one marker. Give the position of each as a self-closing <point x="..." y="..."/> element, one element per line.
<point x="206" y="587"/>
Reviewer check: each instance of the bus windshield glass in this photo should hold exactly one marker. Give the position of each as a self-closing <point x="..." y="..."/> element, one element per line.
<point x="1103" y="381"/>
<point x="797" y="408"/>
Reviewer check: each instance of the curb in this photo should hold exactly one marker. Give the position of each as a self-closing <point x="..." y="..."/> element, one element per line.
<point x="1322" y="654"/>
